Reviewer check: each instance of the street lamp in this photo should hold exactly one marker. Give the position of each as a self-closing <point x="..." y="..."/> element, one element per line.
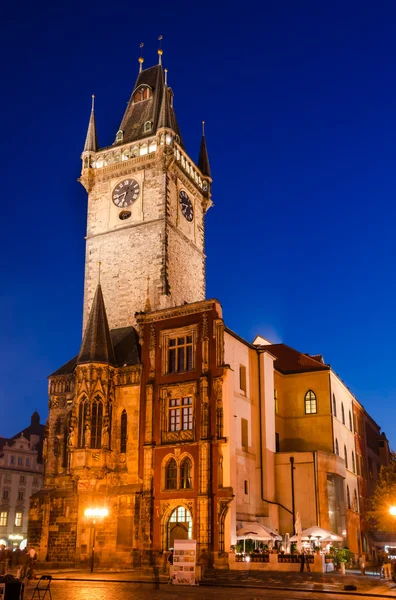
<point x="392" y="511"/>
<point x="93" y="514"/>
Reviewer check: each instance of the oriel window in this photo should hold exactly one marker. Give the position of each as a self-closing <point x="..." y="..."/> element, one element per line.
<point x="180" y="354"/>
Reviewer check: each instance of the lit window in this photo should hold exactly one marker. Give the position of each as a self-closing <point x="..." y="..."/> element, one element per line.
<point x="153" y="146"/>
<point x="119" y="136"/>
<point x="334" y="405"/>
<point x="185" y="474"/>
<point x="180" y="354"/>
<point x="337" y="450"/>
<point x="171" y="475"/>
<point x="180" y="414"/>
<point x="143" y="149"/>
<point x="310" y="403"/>
<point x="3" y="519"/>
<point x="346" y="457"/>
<point x="20" y="496"/>
<point x="242" y="378"/>
<point x="244" y="434"/>
<point x="18" y="519"/>
<point x="124" y="428"/>
<point x="342" y="413"/>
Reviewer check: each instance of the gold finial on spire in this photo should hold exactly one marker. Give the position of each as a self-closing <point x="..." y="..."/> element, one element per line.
<point x="93" y="102"/>
<point x="160" y="51"/>
<point x="203" y="127"/>
<point x="141" y="59"/>
<point x="147" y="308"/>
<point x="166" y="76"/>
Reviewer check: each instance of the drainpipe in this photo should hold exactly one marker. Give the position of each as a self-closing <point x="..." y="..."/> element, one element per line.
<point x="292" y="489"/>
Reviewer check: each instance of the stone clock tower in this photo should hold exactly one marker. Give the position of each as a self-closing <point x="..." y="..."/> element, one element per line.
<point x="147" y="201"/>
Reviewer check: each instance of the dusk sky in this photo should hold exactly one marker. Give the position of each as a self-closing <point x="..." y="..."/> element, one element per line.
<point x="299" y="100"/>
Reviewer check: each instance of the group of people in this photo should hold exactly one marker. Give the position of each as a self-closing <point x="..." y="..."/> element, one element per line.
<point x="15" y="558"/>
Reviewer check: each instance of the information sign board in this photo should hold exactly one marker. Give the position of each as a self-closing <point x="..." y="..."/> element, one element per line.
<point x="184" y="561"/>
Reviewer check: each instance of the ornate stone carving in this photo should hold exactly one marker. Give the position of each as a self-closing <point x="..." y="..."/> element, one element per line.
<point x="204" y="408"/>
<point x="218" y="392"/>
<point x="205" y="343"/>
<point x="218" y="334"/>
<point x="149" y="414"/>
<point x="152" y="346"/>
<point x="106" y="433"/>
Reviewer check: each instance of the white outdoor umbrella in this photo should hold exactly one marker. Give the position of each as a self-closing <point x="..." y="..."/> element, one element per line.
<point x="322" y="535"/>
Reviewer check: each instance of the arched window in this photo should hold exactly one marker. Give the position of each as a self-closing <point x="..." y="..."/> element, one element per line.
<point x="348" y="498"/>
<point x="355" y="501"/>
<point x="350" y="421"/>
<point x="353" y="461"/>
<point x="96" y="423"/>
<point x="342" y="413"/>
<point x="346" y="456"/>
<point x="83" y="414"/>
<point x="334" y="405"/>
<point x="171" y="475"/>
<point x="186" y="474"/>
<point x="337" y="450"/>
<point x="124" y="425"/>
<point x="179" y="526"/>
<point x="310" y="403"/>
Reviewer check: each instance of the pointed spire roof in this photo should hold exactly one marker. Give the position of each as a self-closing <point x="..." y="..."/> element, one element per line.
<point x="96" y="345"/>
<point x="165" y="115"/>
<point x="203" y="160"/>
<point x="91" y="141"/>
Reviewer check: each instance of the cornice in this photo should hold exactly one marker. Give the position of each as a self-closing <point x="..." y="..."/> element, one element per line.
<point x="177" y="311"/>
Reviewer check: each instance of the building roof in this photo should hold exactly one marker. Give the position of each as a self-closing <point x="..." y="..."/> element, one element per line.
<point x="289" y="360"/>
<point x="127" y="351"/>
<point x="203" y="160"/>
<point x="139" y="113"/>
<point x="97" y="345"/>
<point x="35" y="428"/>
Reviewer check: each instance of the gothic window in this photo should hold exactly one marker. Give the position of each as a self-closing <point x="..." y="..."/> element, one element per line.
<point x="350" y="421"/>
<point x="342" y="413"/>
<point x="180" y="414"/>
<point x="337" y="450"/>
<point x="171" y="475"/>
<point x="310" y="403"/>
<point x="83" y="415"/>
<point x="334" y="405"/>
<point x="179" y="525"/>
<point x="143" y="93"/>
<point x="186" y="474"/>
<point x="353" y="462"/>
<point x="180" y="354"/>
<point x="124" y="424"/>
<point x="346" y="456"/>
<point x="96" y="424"/>
<point x="348" y="498"/>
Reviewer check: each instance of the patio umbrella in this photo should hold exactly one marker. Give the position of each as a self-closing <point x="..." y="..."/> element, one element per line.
<point x="319" y="533"/>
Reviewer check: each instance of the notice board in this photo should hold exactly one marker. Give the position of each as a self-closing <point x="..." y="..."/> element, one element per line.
<point x="184" y="561"/>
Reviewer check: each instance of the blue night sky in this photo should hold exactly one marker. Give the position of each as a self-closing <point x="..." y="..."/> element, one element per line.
<point x="299" y="100"/>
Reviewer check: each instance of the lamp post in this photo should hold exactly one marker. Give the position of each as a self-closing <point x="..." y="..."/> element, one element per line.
<point x="93" y="514"/>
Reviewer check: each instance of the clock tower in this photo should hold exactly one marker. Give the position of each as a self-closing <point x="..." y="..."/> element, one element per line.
<point x="147" y="201"/>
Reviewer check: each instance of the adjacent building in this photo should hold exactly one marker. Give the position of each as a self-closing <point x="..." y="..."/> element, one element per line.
<point x="21" y="475"/>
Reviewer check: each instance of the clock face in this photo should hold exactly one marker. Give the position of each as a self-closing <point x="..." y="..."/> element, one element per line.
<point x="186" y="206"/>
<point x="125" y="193"/>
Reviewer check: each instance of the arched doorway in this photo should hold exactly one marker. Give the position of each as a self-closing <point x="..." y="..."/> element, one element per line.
<point x="179" y="526"/>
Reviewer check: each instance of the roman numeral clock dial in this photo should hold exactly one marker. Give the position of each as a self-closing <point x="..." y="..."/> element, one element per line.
<point x="125" y="193"/>
<point x="186" y="206"/>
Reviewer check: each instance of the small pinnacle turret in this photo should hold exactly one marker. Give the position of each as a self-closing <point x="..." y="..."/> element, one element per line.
<point x="91" y="141"/>
<point x="96" y="345"/>
<point x="203" y="160"/>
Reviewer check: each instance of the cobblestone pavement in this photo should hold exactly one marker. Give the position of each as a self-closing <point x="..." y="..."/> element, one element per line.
<point x="95" y="590"/>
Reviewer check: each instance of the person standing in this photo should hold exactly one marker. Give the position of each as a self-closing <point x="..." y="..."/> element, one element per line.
<point x="304" y="561"/>
<point x="170" y="561"/>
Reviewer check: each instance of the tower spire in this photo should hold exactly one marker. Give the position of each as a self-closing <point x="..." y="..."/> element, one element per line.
<point x="160" y="51"/>
<point x="96" y="345"/>
<point x="203" y="160"/>
<point x="141" y="59"/>
<point x="91" y="141"/>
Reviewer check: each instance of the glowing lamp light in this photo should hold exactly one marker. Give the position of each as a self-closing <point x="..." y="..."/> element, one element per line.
<point x="96" y="513"/>
<point x="247" y="558"/>
<point x="392" y="511"/>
